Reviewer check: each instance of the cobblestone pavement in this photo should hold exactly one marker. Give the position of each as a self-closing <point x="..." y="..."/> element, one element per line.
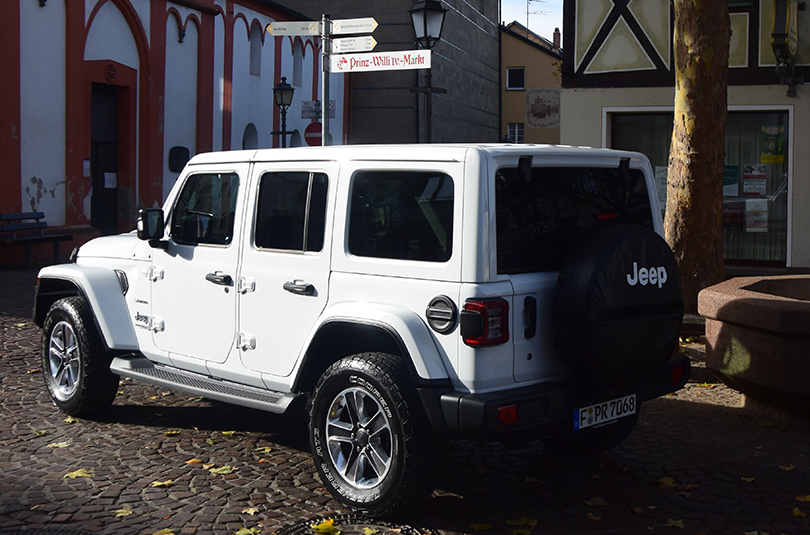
<point x="691" y="466"/>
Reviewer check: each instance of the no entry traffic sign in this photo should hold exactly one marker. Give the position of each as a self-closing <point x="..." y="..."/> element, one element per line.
<point x="312" y="134"/>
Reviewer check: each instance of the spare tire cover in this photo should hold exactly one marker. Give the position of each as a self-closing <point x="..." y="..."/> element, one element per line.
<point x="617" y="306"/>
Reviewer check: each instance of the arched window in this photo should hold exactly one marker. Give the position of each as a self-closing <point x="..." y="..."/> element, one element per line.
<point x="298" y="62"/>
<point x="250" y="139"/>
<point x="295" y="139"/>
<point x="256" y="50"/>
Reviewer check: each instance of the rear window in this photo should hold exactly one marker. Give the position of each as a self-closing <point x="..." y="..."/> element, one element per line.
<point x="403" y="215"/>
<point x="538" y="218"/>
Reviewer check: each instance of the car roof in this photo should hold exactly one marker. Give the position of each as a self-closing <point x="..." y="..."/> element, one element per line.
<point x="407" y="152"/>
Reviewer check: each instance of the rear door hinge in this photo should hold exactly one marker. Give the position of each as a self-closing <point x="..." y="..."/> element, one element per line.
<point x="246" y="341"/>
<point x="155" y="273"/>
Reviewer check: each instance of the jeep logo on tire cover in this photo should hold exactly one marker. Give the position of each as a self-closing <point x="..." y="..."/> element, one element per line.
<point x="643" y="276"/>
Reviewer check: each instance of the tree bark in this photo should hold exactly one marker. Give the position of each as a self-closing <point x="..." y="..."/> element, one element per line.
<point x="694" y="216"/>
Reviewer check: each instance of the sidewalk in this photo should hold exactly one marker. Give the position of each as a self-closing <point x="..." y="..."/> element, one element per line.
<point x="696" y="463"/>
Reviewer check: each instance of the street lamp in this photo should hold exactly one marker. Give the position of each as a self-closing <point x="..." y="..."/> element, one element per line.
<point x="283" y="95"/>
<point x="428" y="20"/>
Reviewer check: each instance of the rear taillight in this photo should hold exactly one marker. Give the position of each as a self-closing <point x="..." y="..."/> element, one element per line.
<point x="485" y="322"/>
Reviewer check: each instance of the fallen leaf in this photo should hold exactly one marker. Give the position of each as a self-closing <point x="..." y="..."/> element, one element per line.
<point x="195" y="399"/>
<point x="327" y="526"/>
<point x="210" y="441"/>
<point x="592" y="516"/>
<point x="81" y="472"/>
<point x="167" y="393"/>
<point x="221" y="471"/>
<point x="748" y="479"/>
<point x="639" y="510"/>
<point x="481" y="527"/>
<point x="757" y="447"/>
<point x="228" y="433"/>
<point x="521" y="532"/>
<point x="194" y="461"/>
<point x="247" y="531"/>
<point x="265" y="449"/>
<point x="20" y="324"/>
<point x="166" y="531"/>
<point x="163" y="484"/>
<point x="70" y="420"/>
<point x="803" y="498"/>
<point x="171" y="433"/>
<point x="41" y="433"/>
<point x="788" y="467"/>
<point x="154" y="397"/>
<point x="595" y="501"/>
<point x="35" y="370"/>
<point x="684" y="494"/>
<point x="691" y="486"/>
<point x="675" y="523"/>
<point x="798" y="513"/>
<point x="37" y="506"/>
<point x="250" y="511"/>
<point x="120" y="513"/>
<point x="523" y="521"/>
<point x="207" y="466"/>
<point x="666" y="483"/>
<point x="369" y="531"/>
<point x="58" y="445"/>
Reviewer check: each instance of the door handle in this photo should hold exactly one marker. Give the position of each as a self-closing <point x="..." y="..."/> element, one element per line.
<point x="218" y="277"/>
<point x="299" y="287"/>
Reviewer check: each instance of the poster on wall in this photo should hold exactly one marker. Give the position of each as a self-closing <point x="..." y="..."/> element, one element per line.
<point x="543" y="108"/>
<point x="754" y="175"/>
<point x="756" y="215"/>
<point x="733" y="215"/>
<point x="661" y="186"/>
<point x="773" y="144"/>
<point x="731" y="181"/>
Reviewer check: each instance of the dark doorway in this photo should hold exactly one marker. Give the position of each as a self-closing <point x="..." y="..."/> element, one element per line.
<point x="104" y="158"/>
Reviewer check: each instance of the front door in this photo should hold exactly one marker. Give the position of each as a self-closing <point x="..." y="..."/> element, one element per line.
<point x="193" y="288"/>
<point x="285" y="267"/>
<point x="104" y="158"/>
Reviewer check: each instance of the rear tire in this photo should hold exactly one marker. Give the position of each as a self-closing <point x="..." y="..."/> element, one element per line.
<point x="75" y="364"/>
<point x="372" y="444"/>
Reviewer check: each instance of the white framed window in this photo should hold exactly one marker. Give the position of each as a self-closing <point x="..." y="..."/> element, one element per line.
<point x="514" y="131"/>
<point x="515" y="78"/>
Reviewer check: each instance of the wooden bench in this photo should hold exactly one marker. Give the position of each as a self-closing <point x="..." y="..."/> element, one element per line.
<point x="26" y="228"/>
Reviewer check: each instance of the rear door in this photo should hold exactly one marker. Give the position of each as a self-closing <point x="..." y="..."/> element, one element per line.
<point x="284" y="278"/>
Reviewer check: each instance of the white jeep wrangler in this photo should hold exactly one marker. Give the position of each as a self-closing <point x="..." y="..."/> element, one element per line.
<point x="399" y="294"/>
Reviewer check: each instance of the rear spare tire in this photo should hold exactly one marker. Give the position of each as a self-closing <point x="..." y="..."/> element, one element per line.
<point x="617" y="306"/>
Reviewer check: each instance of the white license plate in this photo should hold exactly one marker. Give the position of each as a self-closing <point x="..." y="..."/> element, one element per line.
<point x="604" y="412"/>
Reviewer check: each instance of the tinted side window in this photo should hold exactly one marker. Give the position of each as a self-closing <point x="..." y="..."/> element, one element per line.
<point x="291" y="214"/>
<point x="406" y="215"/>
<point x="537" y="219"/>
<point x="205" y="210"/>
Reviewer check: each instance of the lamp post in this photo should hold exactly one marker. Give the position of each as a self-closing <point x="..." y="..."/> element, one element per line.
<point x="283" y="95"/>
<point x="428" y="20"/>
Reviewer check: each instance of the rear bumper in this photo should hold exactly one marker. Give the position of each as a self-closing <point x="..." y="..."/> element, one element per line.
<point x="531" y="408"/>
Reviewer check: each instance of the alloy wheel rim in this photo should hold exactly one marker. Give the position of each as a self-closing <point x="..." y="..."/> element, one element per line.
<point x="63" y="361"/>
<point x="359" y="438"/>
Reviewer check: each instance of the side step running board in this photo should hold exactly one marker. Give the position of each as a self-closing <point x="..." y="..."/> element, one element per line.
<point x="142" y="369"/>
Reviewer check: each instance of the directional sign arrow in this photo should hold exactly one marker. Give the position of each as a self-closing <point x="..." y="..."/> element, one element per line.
<point x="345" y="26"/>
<point x="304" y="27"/>
<point x="353" y="44"/>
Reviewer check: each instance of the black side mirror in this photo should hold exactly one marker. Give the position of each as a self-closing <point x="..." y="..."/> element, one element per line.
<point x="150" y="224"/>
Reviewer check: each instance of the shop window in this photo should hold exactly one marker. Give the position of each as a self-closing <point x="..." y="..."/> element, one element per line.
<point x="755" y="185"/>
<point x="515" y="78"/>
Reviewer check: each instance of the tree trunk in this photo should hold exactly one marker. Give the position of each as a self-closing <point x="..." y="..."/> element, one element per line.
<point x="694" y="216"/>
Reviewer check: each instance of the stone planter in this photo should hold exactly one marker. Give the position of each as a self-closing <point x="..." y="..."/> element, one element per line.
<point x="758" y="338"/>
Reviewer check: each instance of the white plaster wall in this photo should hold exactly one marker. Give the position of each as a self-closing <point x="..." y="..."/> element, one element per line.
<point x="252" y="95"/>
<point x="111" y="38"/>
<point x="583" y="125"/>
<point x="42" y="109"/>
<point x="180" y="99"/>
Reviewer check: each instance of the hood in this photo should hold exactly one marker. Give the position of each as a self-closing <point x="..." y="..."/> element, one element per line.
<point x="120" y="246"/>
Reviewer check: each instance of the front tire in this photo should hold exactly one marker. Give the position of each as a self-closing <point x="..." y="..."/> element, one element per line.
<point x="370" y="439"/>
<point x="75" y="364"/>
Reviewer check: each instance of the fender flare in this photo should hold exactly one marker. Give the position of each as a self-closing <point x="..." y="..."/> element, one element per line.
<point x="102" y="291"/>
<point x="411" y="332"/>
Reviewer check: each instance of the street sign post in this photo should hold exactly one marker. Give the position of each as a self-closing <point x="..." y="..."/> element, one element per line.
<point x="353" y="44"/>
<point x="348" y="26"/>
<point x="312" y="134"/>
<point x="381" y="61"/>
<point x="305" y="27"/>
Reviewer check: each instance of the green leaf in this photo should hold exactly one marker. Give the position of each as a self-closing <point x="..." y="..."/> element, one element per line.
<point x="327" y="526"/>
<point x="369" y="531"/>
<point x="42" y="433"/>
<point x="247" y="531"/>
<point x="163" y="484"/>
<point x="70" y="420"/>
<point x="121" y="513"/>
<point x="228" y="433"/>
